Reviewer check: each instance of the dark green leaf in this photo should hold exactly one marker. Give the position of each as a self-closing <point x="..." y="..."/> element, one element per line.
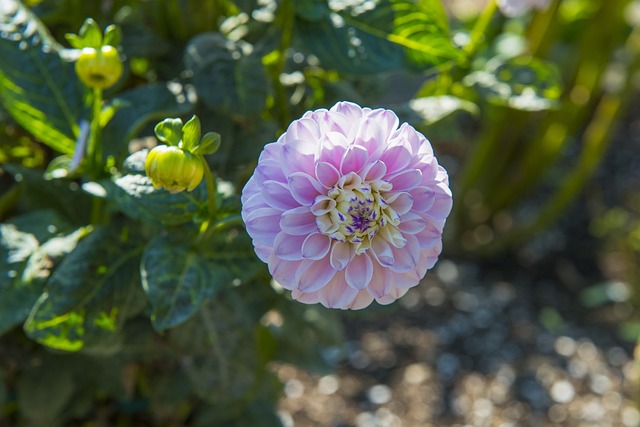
<point x="91" y="33"/>
<point x="178" y="281"/>
<point x="135" y="196"/>
<point x="28" y="264"/>
<point x="64" y="196"/>
<point x="389" y="35"/>
<point x="37" y="86"/>
<point x="144" y="104"/>
<point x="522" y="83"/>
<point x="209" y="144"/>
<point x="91" y="293"/>
<point x="311" y="10"/>
<point x="112" y="35"/>
<point x="227" y="77"/>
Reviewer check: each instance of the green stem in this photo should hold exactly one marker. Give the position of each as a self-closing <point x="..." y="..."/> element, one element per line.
<point x="211" y="188"/>
<point x="285" y="22"/>
<point x="94" y="154"/>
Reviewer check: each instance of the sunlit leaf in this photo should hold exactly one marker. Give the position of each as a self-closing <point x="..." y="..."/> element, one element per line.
<point x="37" y="86"/>
<point x="368" y="37"/>
<point x="91" y="293"/>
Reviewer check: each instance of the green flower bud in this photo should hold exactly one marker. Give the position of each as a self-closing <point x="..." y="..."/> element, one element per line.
<point x="173" y="169"/>
<point x="99" y="68"/>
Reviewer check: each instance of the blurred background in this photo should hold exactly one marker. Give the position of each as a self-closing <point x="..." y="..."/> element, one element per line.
<point x="531" y="315"/>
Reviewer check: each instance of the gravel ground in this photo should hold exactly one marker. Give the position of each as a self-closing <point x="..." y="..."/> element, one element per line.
<point x="466" y="350"/>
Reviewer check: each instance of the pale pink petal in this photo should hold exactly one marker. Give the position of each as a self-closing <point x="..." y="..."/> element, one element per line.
<point x="312" y="275"/>
<point x="332" y="122"/>
<point x="289" y="247"/>
<point x="382" y="251"/>
<point x="295" y="159"/>
<point x="406" y="180"/>
<point x="423" y="198"/>
<point x="405" y="258"/>
<point x="353" y="112"/>
<point x="359" y="271"/>
<point x="322" y="205"/>
<point x="394" y="295"/>
<point x="362" y="300"/>
<point x="298" y="221"/>
<point x="354" y="159"/>
<point x="310" y="298"/>
<point x="341" y="255"/>
<point x="304" y="129"/>
<point x="260" y="225"/>
<point x="278" y="196"/>
<point x="337" y="294"/>
<point x="396" y="158"/>
<point x="374" y="171"/>
<point x="381" y="282"/>
<point x="412" y="223"/>
<point x="327" y="174"/>
<point x="304" y="189"/>
<point x="283" y="271"/>
<point x="400" y="202"/>
<point x="316" y="246"/>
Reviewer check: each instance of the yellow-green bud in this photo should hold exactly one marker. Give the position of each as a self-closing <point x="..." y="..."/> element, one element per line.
<point x="173" y="169"/>
<point x="99" y="68"/>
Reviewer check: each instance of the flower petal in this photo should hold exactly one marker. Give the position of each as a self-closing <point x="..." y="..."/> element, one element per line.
<point x="278" y="196"/>
<point x="382" y="251"/>
<point x="401" y="202"/>
<point x="283" y="271"/>
<point x="374" y="171"/>
<point x="297" y="158"/>
<point x="322" y="205"/>
<point x="396" y="158"/>
<point x="260" y="225"/>
<point x="412" y="223"/>
<point x="359" y="271"/>
<point x="289" y="247"/>
<point x="304" y="188"/>
<point x="316" y="246"/>
<point x="341" y="254"/>
<point x="298" y="221"/>
<point x="407" y="257"/>
<point x="362" y="300"/>
<point x="423" y="198"/>
<point x="354" y="159"/>
<point x="327" y="174"/>
<point x="406" y="180"/>
<point x="304" y="129"/>
<point x="313" y="275"/>
<point x="337" y="294"/>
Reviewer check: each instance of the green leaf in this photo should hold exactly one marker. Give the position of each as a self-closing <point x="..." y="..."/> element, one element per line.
<point x="209" y="144"/>
<point x="144" y="104"/>
<point x="91" y="293"/>
<point x="226" y="76"/>
<point x="394" y="34"/>
<point x="191" y="134"/>
<point x="91" y="33"/>
<point x="177" y="281"/>
<point x="64" y="196"/>
<point x="112" y="35"/>
<point x="169" y="131"/>
<point x="522" y="83"/>
<point x="30" y="247"/>
<point x="134" y="195"/>
<point x="37" y="86"/>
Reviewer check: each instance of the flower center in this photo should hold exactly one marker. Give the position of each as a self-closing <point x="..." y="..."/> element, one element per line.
<point x="355" y="211"/>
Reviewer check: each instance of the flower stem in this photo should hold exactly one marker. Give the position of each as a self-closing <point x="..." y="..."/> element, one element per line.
<point x="480" y="28"/>
<point x="211" y="188"/>
<point x="94" y="154"/>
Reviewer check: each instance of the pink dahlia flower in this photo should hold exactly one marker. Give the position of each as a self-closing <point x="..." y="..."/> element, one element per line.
<point x="347" y="207"/>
